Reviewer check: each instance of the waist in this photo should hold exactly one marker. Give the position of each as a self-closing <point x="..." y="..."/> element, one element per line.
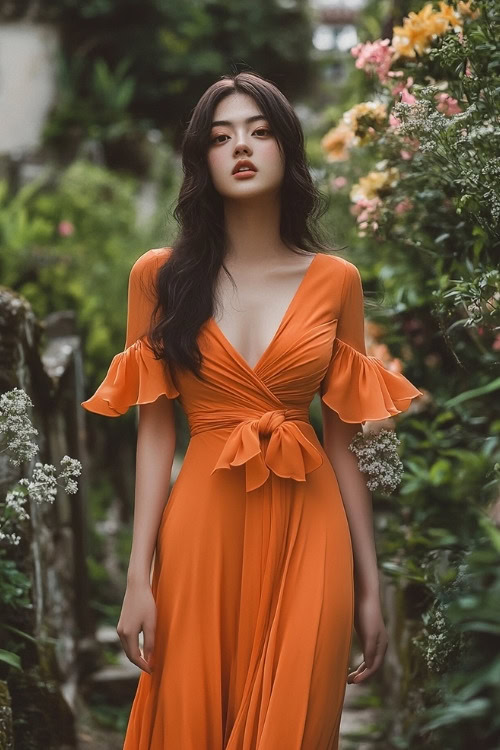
<point x="267" y="421"/>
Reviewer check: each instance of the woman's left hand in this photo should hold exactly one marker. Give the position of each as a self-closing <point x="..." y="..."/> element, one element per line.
<point x="370" y="628"/>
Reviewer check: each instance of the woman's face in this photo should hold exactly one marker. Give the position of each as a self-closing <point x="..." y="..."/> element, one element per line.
<point x="239" y="139"/>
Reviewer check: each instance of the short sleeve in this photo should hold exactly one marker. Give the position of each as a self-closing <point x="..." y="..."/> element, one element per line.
<point x="134" y="375"/>
<point x="358" y="386"/>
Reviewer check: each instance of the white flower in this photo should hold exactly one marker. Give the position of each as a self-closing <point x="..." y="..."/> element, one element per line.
<point x="378" y="458"/>
<point x="16" y="432"/>
<point x="16" y="429"/>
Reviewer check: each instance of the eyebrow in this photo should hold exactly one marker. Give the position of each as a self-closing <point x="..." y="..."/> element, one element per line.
<point x="249" y="119"/>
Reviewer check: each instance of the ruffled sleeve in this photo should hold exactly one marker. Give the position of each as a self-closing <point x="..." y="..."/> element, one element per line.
<point x="134" y="375"/>
<point x="357" y="386"/>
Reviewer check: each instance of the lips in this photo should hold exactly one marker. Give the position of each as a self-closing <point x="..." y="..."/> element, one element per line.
<point x="244" y="163"/>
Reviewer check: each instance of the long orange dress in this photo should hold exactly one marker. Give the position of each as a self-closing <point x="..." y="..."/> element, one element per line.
<point x="253" y="573"/>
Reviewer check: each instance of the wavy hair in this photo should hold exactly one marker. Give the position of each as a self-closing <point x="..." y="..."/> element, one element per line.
<point x="185" y="283"/>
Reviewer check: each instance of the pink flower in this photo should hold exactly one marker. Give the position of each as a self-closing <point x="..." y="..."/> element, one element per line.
<point x="405" y="155"/>
<point x="496" y="343"/>
<point x="403" y="206"/>
<point x="401" y="86"/>
<point x="338" y="182"/>
<point x="65" y="228"/>
<point x="447" y="104"/>
<point x="394" y="122"/>
<point x="407" y="97"/>
<point x="374" y="57"/>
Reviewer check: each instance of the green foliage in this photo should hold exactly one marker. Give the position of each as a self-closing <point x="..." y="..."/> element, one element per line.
<point x="127" y="68"/>
<point x="71" y="245"/>
<point x="461" y="646"/>
<point x="102" y="113"/>
<point x="14" y="584"/>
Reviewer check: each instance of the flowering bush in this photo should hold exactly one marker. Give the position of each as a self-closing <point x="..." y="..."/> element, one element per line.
<point x="16" y="440"/>
<point x="419" y="163"/>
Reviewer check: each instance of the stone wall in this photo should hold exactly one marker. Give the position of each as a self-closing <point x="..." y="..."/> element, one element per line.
<point x="45" y="360"/>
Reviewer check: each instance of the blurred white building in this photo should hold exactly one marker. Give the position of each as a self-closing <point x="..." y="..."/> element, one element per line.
<point x="336" y="29"/>
<point x="28" y="53"/>
<point x="335" y="32"/>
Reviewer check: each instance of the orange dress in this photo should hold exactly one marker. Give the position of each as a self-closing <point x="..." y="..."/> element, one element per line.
<point x="253" y="572"/>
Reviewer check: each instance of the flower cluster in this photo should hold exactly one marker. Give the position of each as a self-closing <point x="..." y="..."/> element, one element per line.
<point x="403" y="119"/>
<point x="419" y="29"/>
<point x="359" y="125"/>
<point x="378" y="458"/>
<point x="413" y="37"/>
<point x="439" y="642"/>
<point x="16" y="429"/>
<point x="15" y="502"/>
<point x="374" y="57"/>
<point x="71" y="468"/>
<point x="367" y="196"/>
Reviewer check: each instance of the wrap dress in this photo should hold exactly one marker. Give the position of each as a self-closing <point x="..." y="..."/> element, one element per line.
<point x="253" y="568"/>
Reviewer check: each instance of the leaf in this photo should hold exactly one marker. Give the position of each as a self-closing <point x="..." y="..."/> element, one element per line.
<point x="8" y="657"/>
<point x="456" y="712"/>
<point x="19" y="632"/>
<point x="474" y="393"/>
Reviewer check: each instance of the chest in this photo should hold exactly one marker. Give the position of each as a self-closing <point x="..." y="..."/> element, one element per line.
<point x="250" y="312"/>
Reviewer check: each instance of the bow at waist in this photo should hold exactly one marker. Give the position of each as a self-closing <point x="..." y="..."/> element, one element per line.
<point x="269" y="441"/>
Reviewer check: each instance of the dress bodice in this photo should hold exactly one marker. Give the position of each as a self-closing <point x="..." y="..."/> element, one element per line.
<point x="318" y="347"/>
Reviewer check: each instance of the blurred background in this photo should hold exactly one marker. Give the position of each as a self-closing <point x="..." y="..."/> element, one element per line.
<point x="399" y="104"/>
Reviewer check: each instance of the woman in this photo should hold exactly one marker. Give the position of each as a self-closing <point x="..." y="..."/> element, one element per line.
<point x="266" y="534"/>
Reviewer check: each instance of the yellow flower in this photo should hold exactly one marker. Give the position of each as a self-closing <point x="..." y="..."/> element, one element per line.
<point x="371" y="184"/>
<point x="418" y="29"/>
<point x="336" y="143"/>
<point x="464" y="10"/>
<point x="375" y="113"/>
<point x="447" y="13"/>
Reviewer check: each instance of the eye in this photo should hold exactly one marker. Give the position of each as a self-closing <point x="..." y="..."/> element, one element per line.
<point x="215" y="139"/>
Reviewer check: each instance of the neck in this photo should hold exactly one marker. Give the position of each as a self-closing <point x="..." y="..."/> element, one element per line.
<point x="252" y="229"/>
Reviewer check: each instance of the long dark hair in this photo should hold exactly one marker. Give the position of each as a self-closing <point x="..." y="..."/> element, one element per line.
<point x="186" y="281"/>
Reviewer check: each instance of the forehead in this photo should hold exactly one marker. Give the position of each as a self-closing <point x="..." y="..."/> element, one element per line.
<point x="236" y="108"/>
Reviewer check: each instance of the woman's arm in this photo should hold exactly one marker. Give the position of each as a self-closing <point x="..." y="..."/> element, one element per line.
<point x="356" y="496"/>
<point x="358" y="506"/>
<point x="155" y="453"/>
<point x="156" y="440"/>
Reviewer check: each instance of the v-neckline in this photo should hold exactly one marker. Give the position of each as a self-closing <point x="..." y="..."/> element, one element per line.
<point x="278" y="330"/>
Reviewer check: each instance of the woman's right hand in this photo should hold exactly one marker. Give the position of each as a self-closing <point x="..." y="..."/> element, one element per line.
<point x="138" y="614"/>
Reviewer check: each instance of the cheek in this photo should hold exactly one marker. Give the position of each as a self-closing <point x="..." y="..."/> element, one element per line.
<point x="214" y="162"/>
<point x="272" y="156"/>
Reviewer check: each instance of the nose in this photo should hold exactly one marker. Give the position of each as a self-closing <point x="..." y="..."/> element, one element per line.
<point x="242" y="145"/>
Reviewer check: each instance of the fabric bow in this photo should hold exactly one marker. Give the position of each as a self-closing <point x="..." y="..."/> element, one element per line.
<point x="289" y="454"/>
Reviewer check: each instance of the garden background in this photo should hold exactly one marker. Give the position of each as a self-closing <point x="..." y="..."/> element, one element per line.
<point x="400" y="105"/>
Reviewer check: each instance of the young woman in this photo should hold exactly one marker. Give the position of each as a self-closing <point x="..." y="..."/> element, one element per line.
<point x="264" y="553"/>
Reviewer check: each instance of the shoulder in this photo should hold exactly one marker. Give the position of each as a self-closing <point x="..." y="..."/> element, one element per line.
<point x="144" y="271"/>
<point x="149" y="262"/>
<point x="343" y="271"/>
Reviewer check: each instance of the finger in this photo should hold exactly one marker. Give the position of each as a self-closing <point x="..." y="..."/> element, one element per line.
<point x="364" y="671"/>
<point x="130" y="643"/>
<point x="149" y="641"/>
<point x="351" y="675"/>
